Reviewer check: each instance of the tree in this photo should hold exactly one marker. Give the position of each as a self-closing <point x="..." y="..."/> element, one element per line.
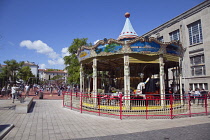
<point x="4" y="76"/>
<point x="25" y="73"/>
<point x="9" y="72"/>
<point x="58" y="79"/>
<point x="71" y="62"/>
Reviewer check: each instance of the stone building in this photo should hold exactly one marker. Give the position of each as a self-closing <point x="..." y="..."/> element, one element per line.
<point x="33" y="67"/>
<point x="192" y="29"/>
<point x="46" y="74"/>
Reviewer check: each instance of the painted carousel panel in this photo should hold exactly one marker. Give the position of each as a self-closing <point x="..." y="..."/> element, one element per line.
<point x="145" y="46"/>
<point x="113" y="48"/>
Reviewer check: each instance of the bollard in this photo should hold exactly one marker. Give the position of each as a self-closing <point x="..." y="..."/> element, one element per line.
<point x="21" y="99"/>
<point x="40" y="95"/>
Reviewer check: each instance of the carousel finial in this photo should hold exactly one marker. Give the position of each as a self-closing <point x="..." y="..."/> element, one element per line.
<point x="127" y="15"/>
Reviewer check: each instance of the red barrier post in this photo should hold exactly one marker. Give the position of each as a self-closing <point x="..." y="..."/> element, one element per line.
<point x="205" y="99"/>
<point x="80" y="93"/>
<point x="120" y="106"/>
<point x="99" y="105"/>
<point x="71" y="100"/>
<point x="171" y="107"/>
<point x="189" y="103"/>
<point x="63" y="98"/>
<point x="146" y="108"/>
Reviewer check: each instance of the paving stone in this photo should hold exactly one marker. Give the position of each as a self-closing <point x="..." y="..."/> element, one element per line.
<point x="49" y="120"/>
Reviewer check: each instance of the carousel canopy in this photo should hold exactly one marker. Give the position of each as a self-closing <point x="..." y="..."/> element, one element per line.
<point x="140" y="49"/>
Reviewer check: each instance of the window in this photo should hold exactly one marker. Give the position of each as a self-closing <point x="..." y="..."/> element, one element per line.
<point x="197" y="65"/>
<point x="160" y="39"/>
<point x="174" y="35"/>
<point x="195" y="32"/>
<point x="198" y="70"/>
<point x="198" y="59"/>
<point x="193" y="86"/>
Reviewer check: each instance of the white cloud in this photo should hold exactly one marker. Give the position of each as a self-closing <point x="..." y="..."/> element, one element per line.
<point x="65" y="52"/>
<point x="58" y="61"/>
<point x="42" y="66"/>
<point x="40" y="47"/>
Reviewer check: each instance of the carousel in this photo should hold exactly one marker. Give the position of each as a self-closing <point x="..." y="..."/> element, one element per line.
<point x="132" y="66"/>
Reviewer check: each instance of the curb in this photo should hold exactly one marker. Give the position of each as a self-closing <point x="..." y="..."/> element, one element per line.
<point x="4" y="129"/>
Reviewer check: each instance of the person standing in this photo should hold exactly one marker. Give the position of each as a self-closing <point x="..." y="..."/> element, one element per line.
<point x="14" y="92"/>
<point x="197" y="94"/>
<point x="191" y="95"/>
<point x="203" y="96"/>
<point x="3" y="91"/>
<point x="27" y="87"/>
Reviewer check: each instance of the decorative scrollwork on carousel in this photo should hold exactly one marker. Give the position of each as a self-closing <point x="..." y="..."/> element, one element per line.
<point x="140" y="38"/>
<point x="93" y="53"/>
<point x="125" y="49"/>
<point x="115" y="41"/>
<point x="105" y="53"/>
<point x="100" y="42"/>
<point x="162" y="49"/>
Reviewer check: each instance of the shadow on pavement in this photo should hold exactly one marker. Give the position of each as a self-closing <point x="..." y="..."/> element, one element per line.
<point x="193" y="132"/>
<point x="32" y="107"/>
<point x="4" y="129"/>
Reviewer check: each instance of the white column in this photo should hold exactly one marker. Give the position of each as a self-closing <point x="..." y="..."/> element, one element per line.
<point x="81" y="78"/>
<point x="162" y="81"/>
<point x="180" y="81"/>
<point x="127" y="81"/>
<point x="94" y="81"/>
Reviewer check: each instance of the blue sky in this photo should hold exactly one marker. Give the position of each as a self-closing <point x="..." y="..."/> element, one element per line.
<point x="40" y="31"/>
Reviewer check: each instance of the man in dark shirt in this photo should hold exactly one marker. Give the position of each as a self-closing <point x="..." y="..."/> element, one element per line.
<point x="203" y="95"/>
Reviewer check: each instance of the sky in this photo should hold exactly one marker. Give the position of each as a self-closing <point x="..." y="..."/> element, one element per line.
<point x="41" y="31"/>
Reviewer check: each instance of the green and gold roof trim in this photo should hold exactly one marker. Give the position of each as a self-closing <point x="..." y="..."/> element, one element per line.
<point x="139" y="45"/>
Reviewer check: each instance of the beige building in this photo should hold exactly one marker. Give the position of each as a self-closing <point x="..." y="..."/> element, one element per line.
<point x="45" y="74"/>
<point x="192" y="29"/>
<point x="33" y="67"/>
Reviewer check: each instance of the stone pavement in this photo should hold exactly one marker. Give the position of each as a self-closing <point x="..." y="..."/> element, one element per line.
<point x="49" y="120"/>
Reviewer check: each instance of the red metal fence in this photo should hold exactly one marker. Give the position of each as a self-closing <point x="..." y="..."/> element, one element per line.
<point x="134" y="107"/>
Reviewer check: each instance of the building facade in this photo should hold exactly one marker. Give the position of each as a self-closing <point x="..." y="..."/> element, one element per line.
<point x="33" y="67"/>
<point x="45" y="74"/>
<point x="192" y="29"/>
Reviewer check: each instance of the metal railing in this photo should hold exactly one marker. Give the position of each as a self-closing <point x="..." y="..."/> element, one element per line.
<point x="137" y="107"/>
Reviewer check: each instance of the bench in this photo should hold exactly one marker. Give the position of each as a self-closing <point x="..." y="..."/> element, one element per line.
<point x="22" y="108"/>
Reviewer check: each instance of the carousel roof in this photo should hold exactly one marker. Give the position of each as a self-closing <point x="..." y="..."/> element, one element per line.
<point x="128" y="31"/>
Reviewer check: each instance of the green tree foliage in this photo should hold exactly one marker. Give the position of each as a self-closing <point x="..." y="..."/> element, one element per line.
<point x="4" y="76"/>
<point x="25" y="73"/>
<point x="71" y="62"/>
<point x="58" y="79"/>
<point x="9" y="72"/>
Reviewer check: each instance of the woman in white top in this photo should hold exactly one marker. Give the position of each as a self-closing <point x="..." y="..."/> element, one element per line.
<point x="14" y="90"/>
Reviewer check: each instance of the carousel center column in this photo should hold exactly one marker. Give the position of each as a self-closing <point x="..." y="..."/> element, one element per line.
<point x="94" y="82"/>
<point x="126" y="81"/>
<point x="162" y="81"/>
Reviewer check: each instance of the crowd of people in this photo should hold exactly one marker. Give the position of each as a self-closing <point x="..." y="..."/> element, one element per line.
<point x="16" y="91"/>
<point x="198" y="95"/>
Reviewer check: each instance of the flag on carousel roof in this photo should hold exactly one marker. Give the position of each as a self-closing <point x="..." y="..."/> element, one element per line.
<point x="128" y="31"/>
